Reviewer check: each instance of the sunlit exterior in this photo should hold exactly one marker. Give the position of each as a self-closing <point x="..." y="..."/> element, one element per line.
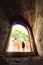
<point x="19" y="40"/>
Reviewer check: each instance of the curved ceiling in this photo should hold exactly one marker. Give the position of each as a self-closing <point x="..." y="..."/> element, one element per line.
<point x="26" y="8"/>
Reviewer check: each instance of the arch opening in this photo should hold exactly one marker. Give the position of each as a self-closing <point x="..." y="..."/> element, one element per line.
<point x="19" y="40"/>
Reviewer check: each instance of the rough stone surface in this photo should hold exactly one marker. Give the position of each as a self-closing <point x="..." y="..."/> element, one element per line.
<point x="21" y="61"/>
<point x="38" y="31"/>
<point x="3" y="30"/>
<point x="27" y="9"/>
<point x="8" y="10"/>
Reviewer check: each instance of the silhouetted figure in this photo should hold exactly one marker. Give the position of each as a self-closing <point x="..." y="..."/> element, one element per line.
<point x="23" y="45"/>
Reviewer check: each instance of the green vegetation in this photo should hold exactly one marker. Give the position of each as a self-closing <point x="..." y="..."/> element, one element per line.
<point x="19" y="35"/>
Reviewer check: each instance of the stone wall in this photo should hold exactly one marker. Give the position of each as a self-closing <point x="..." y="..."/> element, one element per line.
<point x="27" y="9"/>
<point x="38" y="27"/>
<point x="8" y="10"/>
<point x="4" y="29"/>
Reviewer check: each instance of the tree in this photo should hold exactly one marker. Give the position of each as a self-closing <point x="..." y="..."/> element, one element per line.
<point x="19" y="35"/>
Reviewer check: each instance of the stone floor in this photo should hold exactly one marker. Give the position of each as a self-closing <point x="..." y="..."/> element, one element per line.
<point x="21" y="61"/>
